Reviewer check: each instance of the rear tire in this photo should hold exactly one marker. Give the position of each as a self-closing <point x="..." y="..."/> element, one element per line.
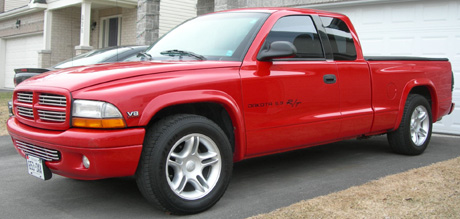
<point x="186" y="164"/>
<point x="414" y="133"/>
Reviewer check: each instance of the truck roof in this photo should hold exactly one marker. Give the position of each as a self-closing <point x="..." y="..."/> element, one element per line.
<point x="278" y="9"/>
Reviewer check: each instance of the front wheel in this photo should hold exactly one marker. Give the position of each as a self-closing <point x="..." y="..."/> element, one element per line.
<point x="414" y="132"/>
<point x="186" y="164"/>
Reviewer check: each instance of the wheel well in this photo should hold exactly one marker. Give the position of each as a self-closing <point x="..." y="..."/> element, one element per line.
<point x="424" y="91"/>
<point x="213" y="111"/>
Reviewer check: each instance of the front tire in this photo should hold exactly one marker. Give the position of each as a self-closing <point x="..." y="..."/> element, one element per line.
<point x="186" y="164"/>
<point x="414" y="132"/>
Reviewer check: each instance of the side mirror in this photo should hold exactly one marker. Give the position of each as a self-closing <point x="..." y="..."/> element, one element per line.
<point x="277" y="49"/>
<point x="144" y="56"/>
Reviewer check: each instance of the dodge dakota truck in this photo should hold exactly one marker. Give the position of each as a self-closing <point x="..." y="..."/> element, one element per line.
<point x="218" y="89"/>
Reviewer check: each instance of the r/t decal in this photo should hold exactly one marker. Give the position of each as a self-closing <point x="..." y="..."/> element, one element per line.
<point x="293" y="103"/>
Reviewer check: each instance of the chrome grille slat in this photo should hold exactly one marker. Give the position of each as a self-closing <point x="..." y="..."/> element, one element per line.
<point x="53" y="100"/>
<point x="40" y="152"/>
<point x="44" y="156"/>
<point x="25" y="97"/>
<point x="52" y="115"/>
<point x="27" y="112"/>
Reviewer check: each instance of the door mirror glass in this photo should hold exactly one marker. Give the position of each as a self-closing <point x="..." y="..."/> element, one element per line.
<point x="277" y="49"/>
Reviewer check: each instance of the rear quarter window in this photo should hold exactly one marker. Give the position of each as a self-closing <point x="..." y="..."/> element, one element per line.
<point x="343" y="46"/>
<point x="301" y="32"/>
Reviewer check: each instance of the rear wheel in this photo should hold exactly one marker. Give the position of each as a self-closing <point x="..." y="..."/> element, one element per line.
<point x="414" y="132"/>
<point x="186" y="164"/>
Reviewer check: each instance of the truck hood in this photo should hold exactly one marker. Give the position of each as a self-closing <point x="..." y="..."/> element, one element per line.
<point x="76" y="78"/>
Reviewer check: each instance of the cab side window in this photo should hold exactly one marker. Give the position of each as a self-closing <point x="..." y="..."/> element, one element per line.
<point x="340" y="38"/>
<point x="300" y="31"/>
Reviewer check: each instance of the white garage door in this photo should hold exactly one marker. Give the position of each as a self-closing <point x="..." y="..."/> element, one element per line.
<point x="411" y="28"/>
<point x="21" y="52"/>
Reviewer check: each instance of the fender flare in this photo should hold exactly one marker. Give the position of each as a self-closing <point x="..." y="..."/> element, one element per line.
<point x="196" y="96"/>
<point x="421" y="82"/>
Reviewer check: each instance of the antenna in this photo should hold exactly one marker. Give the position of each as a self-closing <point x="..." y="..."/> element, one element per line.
<point x="72" y="47"/>
<point x="119" y="24"/>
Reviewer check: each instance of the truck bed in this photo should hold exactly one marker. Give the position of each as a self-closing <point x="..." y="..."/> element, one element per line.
<point x="392" y="76"/>
<point x="402" y="58"/>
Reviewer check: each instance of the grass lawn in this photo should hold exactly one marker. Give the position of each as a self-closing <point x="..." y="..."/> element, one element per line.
<point x="4" y="98"/>
<point x="427" y="192"/>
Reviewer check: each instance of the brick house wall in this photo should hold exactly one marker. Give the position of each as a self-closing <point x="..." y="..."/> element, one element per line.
<point x="31" y="23"/>
<point x="65" y="32"/>
<point x="128" y="33"/>
<point x="128" y="27"/>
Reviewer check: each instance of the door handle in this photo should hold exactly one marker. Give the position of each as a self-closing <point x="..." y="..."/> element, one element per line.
<point x="329" y="79"/>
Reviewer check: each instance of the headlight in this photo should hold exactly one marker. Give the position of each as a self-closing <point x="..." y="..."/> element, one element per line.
<point x="96" y="114"/>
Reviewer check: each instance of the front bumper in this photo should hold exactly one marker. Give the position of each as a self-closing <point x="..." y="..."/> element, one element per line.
<point x="112" y="153"/>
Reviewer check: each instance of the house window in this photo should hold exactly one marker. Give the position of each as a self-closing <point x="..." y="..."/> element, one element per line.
<point x="110" y="33"/>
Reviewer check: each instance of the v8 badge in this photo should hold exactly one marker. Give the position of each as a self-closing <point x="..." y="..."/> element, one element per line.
<point x="133" y="114"/>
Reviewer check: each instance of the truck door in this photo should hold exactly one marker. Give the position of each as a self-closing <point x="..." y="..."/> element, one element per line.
<point x="354" y="76"/>
<point x="291" y="102"/>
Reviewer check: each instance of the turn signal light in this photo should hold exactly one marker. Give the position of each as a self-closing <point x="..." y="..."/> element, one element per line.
<point x="98" y="123"/>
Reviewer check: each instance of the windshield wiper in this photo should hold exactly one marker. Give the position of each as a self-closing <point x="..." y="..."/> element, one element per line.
<point x="144" y="55"/>
<point x="181" y="53"/>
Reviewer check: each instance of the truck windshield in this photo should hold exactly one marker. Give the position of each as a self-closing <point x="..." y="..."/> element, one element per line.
<point x="222" y="36"/>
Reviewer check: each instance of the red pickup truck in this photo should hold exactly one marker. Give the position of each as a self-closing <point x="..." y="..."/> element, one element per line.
<point x="221" y="88"/>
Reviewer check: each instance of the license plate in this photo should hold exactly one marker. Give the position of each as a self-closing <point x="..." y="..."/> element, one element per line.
<point x="36" y="167"/>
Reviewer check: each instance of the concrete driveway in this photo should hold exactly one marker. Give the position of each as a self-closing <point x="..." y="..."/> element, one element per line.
<point x="258" y="185"/>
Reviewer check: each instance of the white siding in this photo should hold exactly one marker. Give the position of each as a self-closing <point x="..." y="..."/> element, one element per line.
<point x="414" y="28"/>
<point x="174" y="12"/>
<point x="13" y="4"/>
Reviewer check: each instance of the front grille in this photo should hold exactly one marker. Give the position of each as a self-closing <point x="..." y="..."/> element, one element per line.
<point x="53" y="100"/>
<point x="25" y="97"/>
<point x="43" y="109"/>
<point x="26" y="112"/>
<point x="40" y="152"/>
<point x="52" y="116"/>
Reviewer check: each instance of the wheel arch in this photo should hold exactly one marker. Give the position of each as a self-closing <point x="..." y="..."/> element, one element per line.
<point x="217" y="106"/>
<point x="423" y="87"/>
